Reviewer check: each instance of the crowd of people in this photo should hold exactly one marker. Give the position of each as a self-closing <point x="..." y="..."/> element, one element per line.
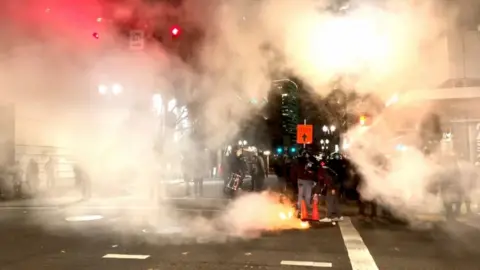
<point x="304" y="176"/>
<point x="25" y="181"/>
<point x="337" y="180"/>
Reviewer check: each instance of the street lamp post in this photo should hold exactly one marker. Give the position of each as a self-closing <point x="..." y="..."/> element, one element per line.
<point x="160" y="108"/>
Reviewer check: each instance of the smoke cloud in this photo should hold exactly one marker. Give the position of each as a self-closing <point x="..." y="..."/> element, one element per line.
<point x="56" y="54"/>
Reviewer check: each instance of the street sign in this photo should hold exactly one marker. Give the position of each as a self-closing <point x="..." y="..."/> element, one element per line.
<point x="137" y="40"/>
<point x="305" y="134"/>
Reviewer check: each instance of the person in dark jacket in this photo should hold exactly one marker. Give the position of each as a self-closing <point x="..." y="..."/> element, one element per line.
<point x="450" y="187"/>
<point x="237" y="165"/>
<point x="82" y="181"/>
<point x="303" y="172"/>
<point x="258" y="173"/>
<point x="32" y="176"/>
<point x="279" y="170"/>
<point x="332" y="195"/>
<point x="194" y="170"/>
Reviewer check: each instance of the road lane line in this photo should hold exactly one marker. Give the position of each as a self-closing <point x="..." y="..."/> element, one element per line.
<point x="304" y="263"/>
<point x="360" y="257"/>
<point x="126" y="256"/>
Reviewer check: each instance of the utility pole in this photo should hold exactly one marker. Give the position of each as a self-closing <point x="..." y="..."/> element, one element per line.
<point x="464" y="60"/>
<point x="304" y="122"/>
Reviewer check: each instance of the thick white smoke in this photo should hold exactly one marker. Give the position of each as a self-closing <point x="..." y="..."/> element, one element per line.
<point x="51" y="65"/>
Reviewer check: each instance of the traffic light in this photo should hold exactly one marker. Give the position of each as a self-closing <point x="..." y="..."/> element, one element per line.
<point x="175" y="31"/>
<point x="293" y="149"/>
<point x="363" y="120"/>
<point x="279" y="150"/>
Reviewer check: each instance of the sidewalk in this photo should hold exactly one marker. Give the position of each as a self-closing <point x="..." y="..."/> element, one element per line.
<point x="68" y="195"/>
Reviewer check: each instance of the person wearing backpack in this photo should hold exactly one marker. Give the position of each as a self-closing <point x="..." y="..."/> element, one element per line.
<point x="258" y="173"/>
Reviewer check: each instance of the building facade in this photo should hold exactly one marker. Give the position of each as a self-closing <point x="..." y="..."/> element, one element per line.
<point x="289" y="113"/>
<point x="457" y="97"/>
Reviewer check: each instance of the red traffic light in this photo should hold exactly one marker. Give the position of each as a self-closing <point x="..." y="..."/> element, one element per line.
<point x="96" y="35"/>
<point x="175" y="31"/>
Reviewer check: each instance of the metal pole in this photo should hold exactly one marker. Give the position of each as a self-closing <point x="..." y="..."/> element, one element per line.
<point x="462" y="34"/>
<point x="268" y="164"/>
<point x="304" y="122"/>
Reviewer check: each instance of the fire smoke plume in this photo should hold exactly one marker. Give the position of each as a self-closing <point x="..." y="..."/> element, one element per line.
<point x="52" y="64"/>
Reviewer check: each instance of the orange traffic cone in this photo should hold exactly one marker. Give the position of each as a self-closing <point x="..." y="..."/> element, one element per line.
<point x="315" y="213"/>
<point x="303" y="211"/>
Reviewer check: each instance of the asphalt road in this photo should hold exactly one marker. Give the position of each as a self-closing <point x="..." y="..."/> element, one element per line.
<point x="129" y="234"/>
<point x="136" y="238"/>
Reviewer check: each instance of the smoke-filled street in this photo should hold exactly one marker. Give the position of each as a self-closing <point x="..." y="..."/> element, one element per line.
<point x="135" y="234"/>
<point x="239" y="134"/>
<point x="87" y="244"/>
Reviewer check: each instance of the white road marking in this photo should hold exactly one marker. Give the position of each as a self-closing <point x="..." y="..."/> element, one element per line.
<point x="303" y="263"/>
<point x="126" y="256"/>
<point x="360" y="257"/>
<point x="84" y="218"/>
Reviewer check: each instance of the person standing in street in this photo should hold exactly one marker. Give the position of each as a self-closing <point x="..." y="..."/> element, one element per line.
<point x="186" y="171"/>
<point x="50" y="171"/>
<point x="200" y="170"/>
<point x="32" y="176"/>
<point x="279" y="170"/>
<point x="450" y="187"/>
<point x="82" y="181"/>
<point x="332" y="195"/>
<point x="258" y="172"/>
<point x="195" y="169"/>
<point x="305" y="176"/>
<point x="18" y="179"/>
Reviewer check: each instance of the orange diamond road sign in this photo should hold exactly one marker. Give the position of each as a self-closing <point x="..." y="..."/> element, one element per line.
<point x="304" y="134"/>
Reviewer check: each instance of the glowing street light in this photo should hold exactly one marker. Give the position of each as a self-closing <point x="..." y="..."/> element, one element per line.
<point x="242" y="143"/>
<point x="115" y="89"/>
<point x="102" y="89"/>
<point x="330" y="129"/>
<point x="171" y="104"/>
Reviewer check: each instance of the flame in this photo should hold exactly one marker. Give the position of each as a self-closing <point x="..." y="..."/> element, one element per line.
<point x="304" y="225"/>
<point x="287" y="221"/>
<point x="276" y="215"/>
